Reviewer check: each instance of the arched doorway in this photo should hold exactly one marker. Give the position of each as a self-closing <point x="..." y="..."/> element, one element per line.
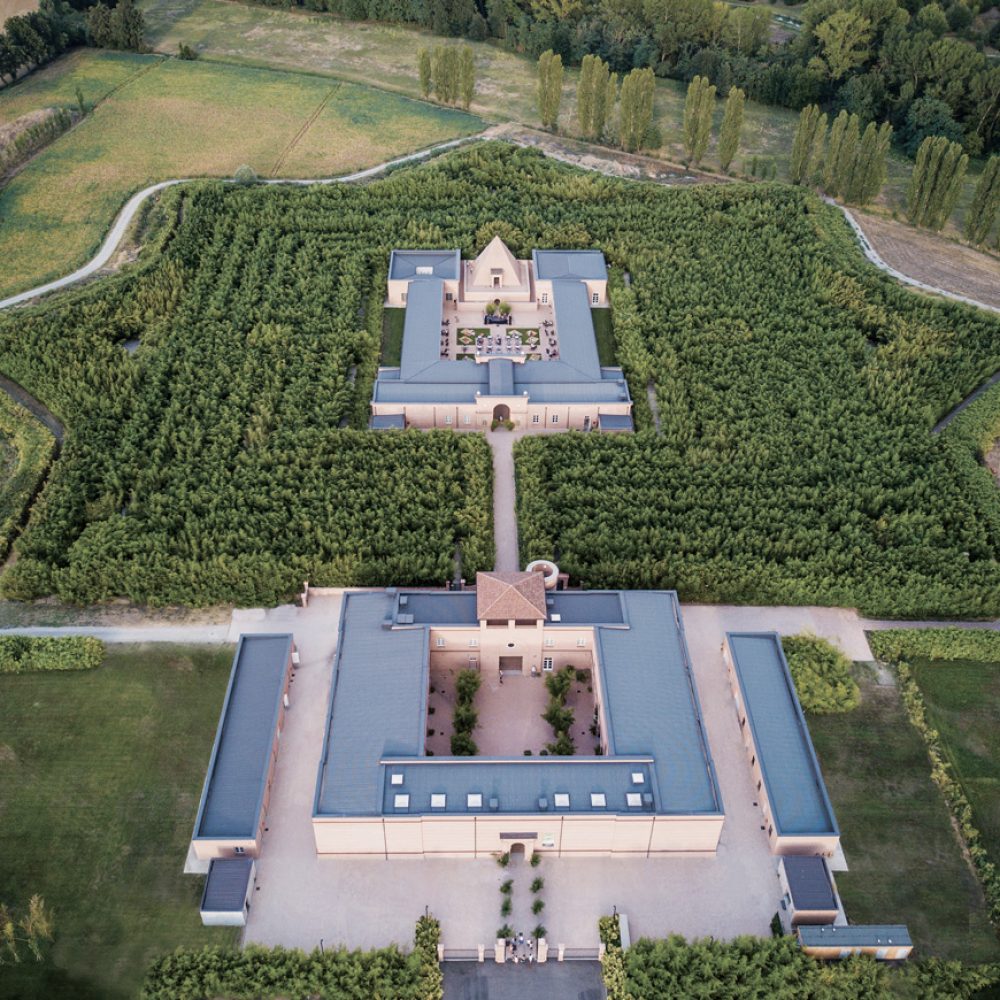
<point x="501" y="412"/>
<point x="517" y="852"/>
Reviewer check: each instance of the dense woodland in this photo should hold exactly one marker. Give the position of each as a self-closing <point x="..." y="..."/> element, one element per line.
<point x="796" y="389"/>
<point x="922" y="66"/>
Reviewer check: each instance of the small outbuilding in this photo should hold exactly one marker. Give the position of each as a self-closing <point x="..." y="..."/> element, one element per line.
<point x="808" y="893"/>
<point x="885" y="942"/>
<point x="226" y="899"/>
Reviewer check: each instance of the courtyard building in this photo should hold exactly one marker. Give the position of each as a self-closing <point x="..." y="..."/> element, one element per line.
<point x="499" y="339"/>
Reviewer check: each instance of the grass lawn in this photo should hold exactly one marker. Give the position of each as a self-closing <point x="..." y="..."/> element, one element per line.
<point x="392" y="337"/>
<point x="605" y="336"/>
<point x="963" y="705"/>
<point x="177" y="119"/>
<point x="905" y="860"/>
<point x="100" y="774"/>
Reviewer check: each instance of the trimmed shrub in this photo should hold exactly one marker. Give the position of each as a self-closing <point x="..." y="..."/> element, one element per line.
<point x="981" y="645"/>
<point x="427" y="938"/>
<point x="463" y="745"/>
<point x="466" y="685"/>
<point x="822" y="675"/>
<point x="22" y="654"/>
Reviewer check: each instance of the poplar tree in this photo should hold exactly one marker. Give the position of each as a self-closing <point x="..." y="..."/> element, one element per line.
<point x="466" y="75"/>
<point x="936" y="181"/>
<point x="847" y="153"/>
<point x="444" y="69"/>
<point x="837" y="130"/>
<point x="985" y="204"/>
<point x="807" y="147"/>
<point x="550" y="75"/>
<point x="610" y="97"/>
<point x="869" y="171"/>
<point x="592" y="96"/>
<point x="698" y="109"/>
<point x="635" y="113"/>
<point x="425" y="72"/>
<point x="731" y="128"/>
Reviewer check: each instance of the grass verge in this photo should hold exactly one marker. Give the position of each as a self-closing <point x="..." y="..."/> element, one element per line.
<point x="605" y="336"/>
<point x="392" y="337"/>
<point x="26" y="447"/>
<point x="906" y="862"/>
<point x="100" y="773"/>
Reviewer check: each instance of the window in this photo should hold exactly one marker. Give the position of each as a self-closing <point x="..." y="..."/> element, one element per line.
<point x="239" y="850"/>
<point x="547" y="665"/>
<point x="424" y="269"/>
<point x="758" y="786"/>
<point x="439" y="642"/>
<point x="397" y="779"/>
<point x="448" y="297"/>
<point x="561" y="800"/>
<point x="403" y="296"/>
<point x="545" y="298"/>
<point x="474" y="800"/>
<point x="534" y="418"/>
<point x="555" y="418"/>
<point x="448" y="419"/>
<point x="467" y="419"/>
<point x="633" y="800"/>
<point x="550" y="643"/>
<point x="473" y="643"/>
<point x="595" y="298"/>
<point x="401" y="801"/>
<point x="581" y="642"/>
<point x="597" y="800"/>
<point x="496" y="280"/>
<point x="438" y="801"/>
<point x="638" y="778"/>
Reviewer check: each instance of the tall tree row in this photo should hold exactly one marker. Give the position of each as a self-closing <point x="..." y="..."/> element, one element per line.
<point x="985" y="205"/>
<point x="550" y="77"/>
<point x="635" y="110"/>
<point x="809" y="145"/>
<point x="936" y="181"/>
<point x="698" y="108"/>
<point x="595" y="97"/>
<point x="449" y="72"/>
<point x="731" y="128"/>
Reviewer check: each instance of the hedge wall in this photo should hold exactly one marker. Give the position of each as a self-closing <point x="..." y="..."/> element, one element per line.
<point x="21" y="654"/>
<point x="978" y="644"/>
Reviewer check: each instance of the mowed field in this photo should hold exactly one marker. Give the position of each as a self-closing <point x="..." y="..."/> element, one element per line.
<point x="385" y="55"/>
<point x="162" y="118"/>
<point x="906" y="865"/>
<point x="100" y="777"/>
<point x="8" y="8"/>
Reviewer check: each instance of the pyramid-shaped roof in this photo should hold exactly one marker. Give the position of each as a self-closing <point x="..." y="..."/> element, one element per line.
<point x="496" y="256"/>
<point x="510" y="595"/>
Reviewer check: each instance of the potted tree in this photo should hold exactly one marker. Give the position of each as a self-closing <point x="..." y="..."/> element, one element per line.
<point x="504" y="309"/>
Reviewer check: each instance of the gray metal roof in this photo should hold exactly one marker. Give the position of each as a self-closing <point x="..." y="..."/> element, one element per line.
<point x="501" y="377"/>
<point x="616" y="422"/>
<point x="591" y="607"/>
<point x="233" y="795"/>
<point x="579" y="264"/>
<point x="442" y="264"/>
<point x="378" y="703"/>
<point x="422" y="326"/>
<point x="809" y="882"/>
<point x="226" y="885"/>
<point x="378" y="706"/>
<point x="795" y="788"/>
<point x="575" y="328"/>
<point x="388" y="421"/>
<point x="651" y="702"/>
<point x="516" y="785"/>
<point x="854" y="936"/>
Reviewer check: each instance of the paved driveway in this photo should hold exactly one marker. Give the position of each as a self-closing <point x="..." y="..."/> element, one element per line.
<point x="552" y="981"/>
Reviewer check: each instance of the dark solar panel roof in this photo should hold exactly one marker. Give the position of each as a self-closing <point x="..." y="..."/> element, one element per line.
<point x="795" y="788"/>
<point x="616" y="422"/>
<point x="226" y="885"/>
<point x="854" y="936"/>
<point x="809" y="883"/>
<point x="237" y="772"/>
<point x="388" y="422"/>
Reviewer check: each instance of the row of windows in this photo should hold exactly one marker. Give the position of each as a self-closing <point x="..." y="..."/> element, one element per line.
<point x="560" y="800"/>
<point x="467" y="419"/>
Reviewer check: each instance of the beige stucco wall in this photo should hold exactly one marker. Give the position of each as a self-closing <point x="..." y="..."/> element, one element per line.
<point x="891" y="953"/>
<point x="480" y="836"/>
<point x="397" y="288"/>
<point x="543" y="292"/>
<point x="479" y="415"/>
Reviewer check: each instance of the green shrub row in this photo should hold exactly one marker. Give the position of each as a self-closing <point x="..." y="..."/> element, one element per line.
<point x="557" y="715"/>
<point x="951" y="788"/>
<point x="822" y="675"/>
<point x="982" y="645"/>
<point x="775" y="968"/>
<point x="979" y="423"/>
<point x="258" y="973"/>
<point x="34" y="447"/>
<point x="21" y="654"/>
<point x="465" y="718"/>
<point x="29" y="140"/>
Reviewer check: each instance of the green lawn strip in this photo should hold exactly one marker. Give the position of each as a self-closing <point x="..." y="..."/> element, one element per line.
<point x="392" y="336"/>
<point x="28" y="448"/>
<point x="100" y="774"/>
<point x="605" y="336"/>
<point x="962" y="698"/>
<point x="95" y="71"/>
<point x="906" y="865"/>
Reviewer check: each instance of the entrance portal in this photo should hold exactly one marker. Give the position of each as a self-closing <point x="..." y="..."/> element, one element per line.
<point x="511" y="665"/>
<point x="501" y="412"/>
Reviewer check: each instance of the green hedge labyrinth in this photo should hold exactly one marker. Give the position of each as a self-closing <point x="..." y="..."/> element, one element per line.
<point x="796" y="389"/>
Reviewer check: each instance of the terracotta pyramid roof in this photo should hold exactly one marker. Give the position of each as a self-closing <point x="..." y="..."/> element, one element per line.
<point x="510" y="595"/>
